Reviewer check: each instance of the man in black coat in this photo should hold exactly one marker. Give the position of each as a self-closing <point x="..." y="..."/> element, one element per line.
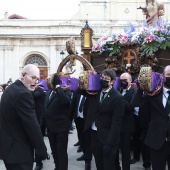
<point x="20" y="132"/>
<point x="39" y="99"/>
<point x="127" y="129"/>
<point x="79" y="106"/>
<point x="57" y="121"/>
<point x="105" y="116"/>
<point x="158" y="135"/>
<point x="145" y="118"/>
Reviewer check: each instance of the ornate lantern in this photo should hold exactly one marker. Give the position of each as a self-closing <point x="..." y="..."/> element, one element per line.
<point x="86" y="37"/>
<point x="86" y="41"/>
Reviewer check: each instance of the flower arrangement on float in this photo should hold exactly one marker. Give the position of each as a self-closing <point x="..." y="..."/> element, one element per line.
<point x="150" y="39"/>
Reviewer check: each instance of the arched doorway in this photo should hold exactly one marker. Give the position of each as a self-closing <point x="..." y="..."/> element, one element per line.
<point x="40" y="62"/>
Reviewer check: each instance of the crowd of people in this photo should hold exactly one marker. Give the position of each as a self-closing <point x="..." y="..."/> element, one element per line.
<point x="111" y="120"/>
<point x="4" y="86"/>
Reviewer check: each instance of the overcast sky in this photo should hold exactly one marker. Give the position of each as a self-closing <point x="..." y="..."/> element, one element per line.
<point x="40" y="9"/>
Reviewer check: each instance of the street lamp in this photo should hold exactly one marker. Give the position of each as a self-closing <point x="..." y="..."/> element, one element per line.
<point x="62" y="55"/>
<point x="86" y="41"/>
<point x="86" y="37"/>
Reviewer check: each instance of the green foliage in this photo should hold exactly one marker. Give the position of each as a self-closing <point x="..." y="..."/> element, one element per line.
<point x="151" y="47"/>
<point x="114" y="49"/>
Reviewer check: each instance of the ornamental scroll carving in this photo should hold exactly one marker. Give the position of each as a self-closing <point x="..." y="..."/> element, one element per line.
<point x="71" y="58"/>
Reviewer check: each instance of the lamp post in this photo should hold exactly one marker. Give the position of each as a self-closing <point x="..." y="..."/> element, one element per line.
<point x="86" y="41"/>
<point x="62" y="55"/>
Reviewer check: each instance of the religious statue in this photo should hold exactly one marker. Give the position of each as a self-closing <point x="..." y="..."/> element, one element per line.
<point x="153" y="11"/>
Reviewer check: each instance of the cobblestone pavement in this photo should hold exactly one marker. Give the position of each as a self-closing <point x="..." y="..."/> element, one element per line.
<point x="72" y="156"/>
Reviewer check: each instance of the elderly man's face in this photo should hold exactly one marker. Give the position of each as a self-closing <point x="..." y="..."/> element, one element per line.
<point x="31" y="78"/>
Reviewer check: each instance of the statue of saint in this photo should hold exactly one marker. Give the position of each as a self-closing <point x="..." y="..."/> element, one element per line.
<point x="153" y="11"/>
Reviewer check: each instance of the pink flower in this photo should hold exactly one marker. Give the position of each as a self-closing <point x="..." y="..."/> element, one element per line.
<point x="104" y="38"/>
<point x="149" y="38"/>
<point x="124" y="39"/>
<point x="96" y="47"/>
<point x="161" y="28"/>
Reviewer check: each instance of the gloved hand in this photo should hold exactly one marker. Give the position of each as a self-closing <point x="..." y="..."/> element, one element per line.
<point x="56" y="80"/>
<point x="107" y="149"/>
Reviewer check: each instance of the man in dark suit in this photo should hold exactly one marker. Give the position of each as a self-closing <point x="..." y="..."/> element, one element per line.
<point x="39" y="99"/>
<point x="20" y="132"/>
<point x="145" y="117"/>
<point x="77" y="106"/>
<point x="78" y="110"/>
<point x="127" y="129"/>
<point x="104" y="116"/>
<point x="57" y="121"/>
<point x="158" y="135"/>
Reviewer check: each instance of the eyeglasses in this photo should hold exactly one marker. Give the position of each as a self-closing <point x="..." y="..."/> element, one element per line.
<point x="105" y="78"/>
<point x="34" y="78"/>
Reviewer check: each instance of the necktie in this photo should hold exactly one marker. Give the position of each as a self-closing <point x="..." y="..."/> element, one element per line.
<point x="51" y="96"/>
<point x="103" y="96"/>
<point x="167" y="106"/>
<point x="82" y="104"/>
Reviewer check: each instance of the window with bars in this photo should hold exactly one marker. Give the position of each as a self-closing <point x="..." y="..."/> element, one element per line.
<point x="36" y="58"/>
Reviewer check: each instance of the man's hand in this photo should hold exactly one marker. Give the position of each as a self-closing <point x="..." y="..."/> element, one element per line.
<point x="66" y="88"/>
<point x="56" y="80"/>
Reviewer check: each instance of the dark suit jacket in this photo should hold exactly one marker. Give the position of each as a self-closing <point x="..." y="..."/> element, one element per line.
<point x="57" y="111"/>
<point x="108" y="116"/>
<point x="19" y="129"/>
<point x="39" y="99"/>
<point x="128" y="120"/>
<point x="74" y="105"/>
<point x="144" y="113"/>
<point x="160" y="121"/>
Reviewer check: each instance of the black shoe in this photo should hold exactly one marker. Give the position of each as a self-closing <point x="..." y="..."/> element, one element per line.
<point x="77" y="144"/>
<point x="87" y="166"/>
<point x="38" y="167"/>
<point x="133" y="161"/>
<point x="147" y="168"/>
<point x="81" y="158"/>
<point x="79" y="149"/>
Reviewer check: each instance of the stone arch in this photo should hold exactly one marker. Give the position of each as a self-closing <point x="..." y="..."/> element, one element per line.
<point x="36" y="58"/>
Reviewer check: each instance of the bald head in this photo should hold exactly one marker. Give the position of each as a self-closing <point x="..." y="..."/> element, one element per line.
<point x="126" y="75"/>
<point x="29" y="67"/>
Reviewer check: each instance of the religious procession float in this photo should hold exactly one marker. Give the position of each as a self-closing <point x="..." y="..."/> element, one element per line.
<point x="143" y="51"/>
